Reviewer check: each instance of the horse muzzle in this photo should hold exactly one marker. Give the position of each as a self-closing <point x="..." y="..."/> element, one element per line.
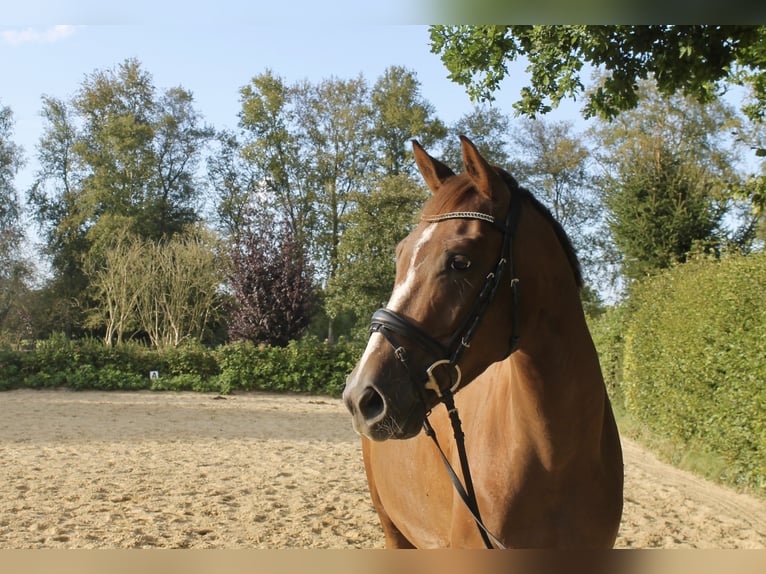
<point x="383" y="406"/>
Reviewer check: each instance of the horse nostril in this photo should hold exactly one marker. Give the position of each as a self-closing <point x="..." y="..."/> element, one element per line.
<point x="371" y="404"/>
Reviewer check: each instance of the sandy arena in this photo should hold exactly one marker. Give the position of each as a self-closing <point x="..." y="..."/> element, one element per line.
<point x="186" y="470"/>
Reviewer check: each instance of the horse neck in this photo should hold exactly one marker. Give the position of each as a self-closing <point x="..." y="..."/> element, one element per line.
<point x="557" y="390"/>
<point x="557" y="395"/>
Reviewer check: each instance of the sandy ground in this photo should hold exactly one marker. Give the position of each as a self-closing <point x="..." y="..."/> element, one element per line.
<point x="185" y="470"/>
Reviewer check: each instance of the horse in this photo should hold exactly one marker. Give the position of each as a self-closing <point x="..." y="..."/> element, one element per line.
<point x="485" y="316"/>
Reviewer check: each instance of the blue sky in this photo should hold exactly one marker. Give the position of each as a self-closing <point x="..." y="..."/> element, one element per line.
<point x="213" y="56"/>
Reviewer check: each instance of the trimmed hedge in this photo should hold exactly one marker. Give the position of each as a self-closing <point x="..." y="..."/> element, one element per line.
<point x="694" y="361"/>
<point x="608" y="332"/>
<point x="77" y="364"/>
<point x="302" y="366"/>
<point x="308" y="366"/>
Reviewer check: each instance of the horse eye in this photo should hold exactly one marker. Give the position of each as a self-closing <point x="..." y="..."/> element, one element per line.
<point x="460" y="262"/>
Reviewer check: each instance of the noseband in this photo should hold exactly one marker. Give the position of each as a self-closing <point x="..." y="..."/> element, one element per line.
<point x="391" y="324"/>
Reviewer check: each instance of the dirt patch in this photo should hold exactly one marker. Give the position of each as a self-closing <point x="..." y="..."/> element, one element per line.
<point x="186" y="470"/>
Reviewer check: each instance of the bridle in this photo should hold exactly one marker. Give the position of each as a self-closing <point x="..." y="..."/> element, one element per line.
<point x="392" y="325"/>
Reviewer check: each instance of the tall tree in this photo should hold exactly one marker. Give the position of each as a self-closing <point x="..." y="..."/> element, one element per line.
<point x="15" y="270"/>
<point x="553" y="162"/>
<point x="271" y="143"/>
<point x="11" y="160"/>
<point x="489" y="129"/>
<point x="316" y="148"/>
<point x="115" y="146"/>
<point x="172" y="203"/>
<point x="335" y="116"/>
<point x="380" y="220"/>
<point x="400" y="113"/>
<point x="55" y="195"/>
<point x="751" y="195"/>
<point x="117" y="154"/>
<point x="235" y="183"/>
<point x="667" y="170"/>
<point x="313" y="144"/>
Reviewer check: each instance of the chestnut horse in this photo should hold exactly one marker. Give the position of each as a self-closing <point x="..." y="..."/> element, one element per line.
<point x="486" y="305"/>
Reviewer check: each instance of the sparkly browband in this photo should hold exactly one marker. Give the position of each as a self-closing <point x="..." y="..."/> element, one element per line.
<point x="459" y="215"/>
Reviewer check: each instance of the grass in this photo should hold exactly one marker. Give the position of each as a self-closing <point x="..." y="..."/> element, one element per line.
<point x="690" y="457"/>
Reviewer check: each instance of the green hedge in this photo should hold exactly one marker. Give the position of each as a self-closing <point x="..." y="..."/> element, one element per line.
<point x="305" y="366"/>
<point x="608" y="332"/>
<point x="77" y="364"/>
<point x="695" y="361"/>
<point x="309" y="366"/>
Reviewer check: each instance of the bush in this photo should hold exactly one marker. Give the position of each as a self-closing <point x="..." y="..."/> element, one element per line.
<point x="88" y="377"/>
<point x="246" y="366"/>
<point x="307" y="366"/>
<point x="695" y="361"/>
<point x="608" y="332"/>
<point x="10" y="367"/>
<point x="191" y="358"/>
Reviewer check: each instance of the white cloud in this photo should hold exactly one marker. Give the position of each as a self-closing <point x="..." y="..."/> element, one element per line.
<point x="34" y="35"/>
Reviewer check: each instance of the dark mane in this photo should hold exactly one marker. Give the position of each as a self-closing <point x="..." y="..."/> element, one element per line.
<point x="562" y="236"/>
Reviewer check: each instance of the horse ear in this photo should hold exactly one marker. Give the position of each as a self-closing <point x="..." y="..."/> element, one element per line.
<point x="433" y="171"/>
<point x="484" y="176"/>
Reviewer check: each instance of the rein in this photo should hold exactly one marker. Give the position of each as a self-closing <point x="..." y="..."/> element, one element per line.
<point x="390" y="323"/>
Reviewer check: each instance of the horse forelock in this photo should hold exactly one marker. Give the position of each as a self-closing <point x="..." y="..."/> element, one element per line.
<point x="458" y="194"/>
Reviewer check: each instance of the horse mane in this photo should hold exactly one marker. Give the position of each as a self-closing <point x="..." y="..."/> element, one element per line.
<point x="558" y="229"/>
<point x="454" y="199"/>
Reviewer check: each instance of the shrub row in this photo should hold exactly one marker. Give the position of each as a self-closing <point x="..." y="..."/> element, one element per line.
<point x="306" y="366"/>
<point x="686" y="357"/>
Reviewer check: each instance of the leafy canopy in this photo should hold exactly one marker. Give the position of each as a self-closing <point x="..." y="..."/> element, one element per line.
<point x="691" y="59"/>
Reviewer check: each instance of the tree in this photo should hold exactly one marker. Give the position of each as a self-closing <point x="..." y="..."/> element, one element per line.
<point x="400" y="113"/>
<point x="312" y="145"/>
<point x="272" y="285"/>
<point x="367" y="267"/>
<point x="235" y="183"/>
<point x="118" y="153"/>
<point x="141" y="151"/>
<point x="118" y="278"/>
<point x="170" y="205"/>
<point x="553" y="162"/>
<point x="317" y="148"/>
<point x="55" y="198"/>
<point x="751" y="196"/>
<point x="179" y="295"/>
<point x="309" y="146"/>
<point x="667" y="174"/>
<point x="693" y="59"/>
<point x="335" y="116"/>
<point x="15" y="270"/>
<point x="271" y="144"/>
<point x="11" y="160"/>
<point x="489" y="129"/>
<point x="166" y="290"/>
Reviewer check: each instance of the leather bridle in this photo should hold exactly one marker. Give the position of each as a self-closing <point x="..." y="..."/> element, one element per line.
<point x="393" y="325"/>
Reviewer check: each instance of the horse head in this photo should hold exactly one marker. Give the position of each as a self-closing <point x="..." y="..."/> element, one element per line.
<point x="452" y="310"/>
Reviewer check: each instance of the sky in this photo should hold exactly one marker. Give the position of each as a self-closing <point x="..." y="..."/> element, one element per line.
<point x="214" y="57"/>
<point x="213" y="48"/>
